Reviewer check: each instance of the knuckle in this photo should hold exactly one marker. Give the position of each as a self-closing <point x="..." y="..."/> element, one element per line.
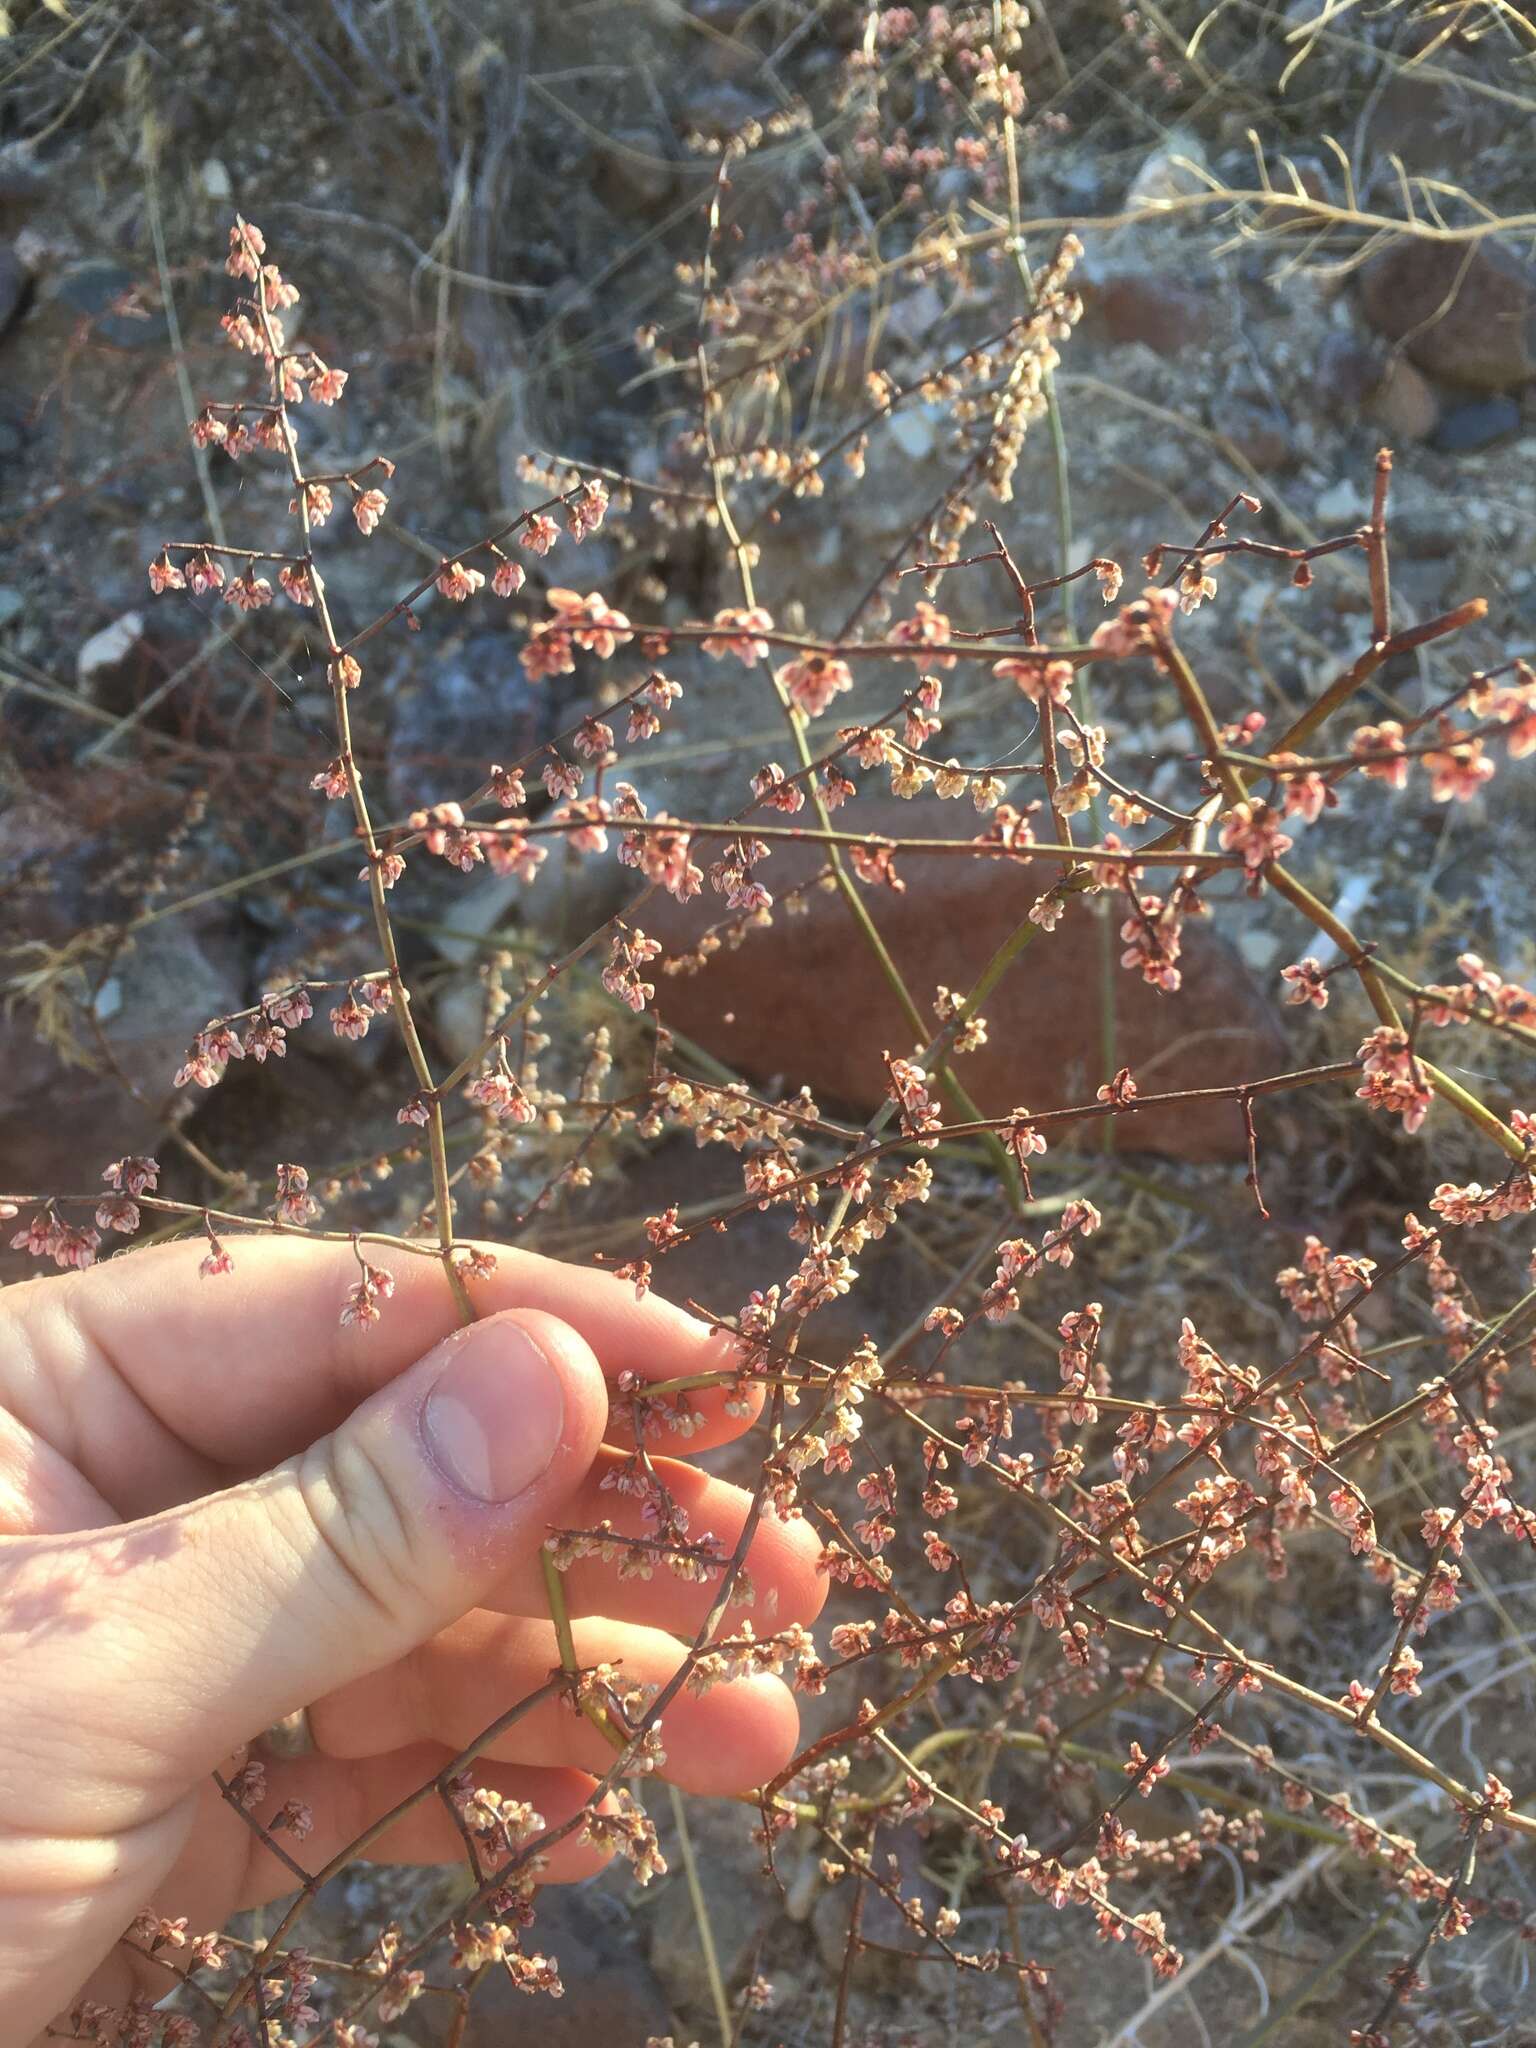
<point x="354" y="1507"/>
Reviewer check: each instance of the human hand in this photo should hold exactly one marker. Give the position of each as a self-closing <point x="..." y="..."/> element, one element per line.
<point x="218" y="1506"/>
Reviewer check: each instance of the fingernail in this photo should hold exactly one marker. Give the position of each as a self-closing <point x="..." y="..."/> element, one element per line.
<point x="493" y="1422"/>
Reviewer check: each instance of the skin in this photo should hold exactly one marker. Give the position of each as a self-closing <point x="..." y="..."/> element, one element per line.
<point x="218" y="1505"/>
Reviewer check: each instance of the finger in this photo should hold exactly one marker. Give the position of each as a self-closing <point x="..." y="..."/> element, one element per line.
<point x="733" y="1737"/>
<point x="41" y="1493"/>
<point x="219" y="1618"/>
<point x="245" y="1369"/>
<point x="783" y="1580"/>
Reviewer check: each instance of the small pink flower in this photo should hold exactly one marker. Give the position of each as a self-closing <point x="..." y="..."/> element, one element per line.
<point x="1309" y="984"/>
<point x="591" y="621"/>
<point x="294" y="1202"/>
<point x="1305" y="794"/>
<point x="736" y="630"/>
<point x="133" y="1175"/>
<point x="549" y="651"/>
<point x="926" y="631"/>
<point x="361" y="1309"/>
<point x="164" y="575"/>
<point x="289" y="1007"/>
<point x="368" y="508"/>
<point x="317" y="502"/>
<point x="508" y="850"/>
<point x="1458" y="771"/>
<point x="457" y="583"/>
<point x="1253" y="829"/>
<point x="327" y="385"/>
<point x="250" y="592"/>
<point x="1037" y="679"/>
<point x="812" y="681"/>
<point x="539" y="535"/>
<point x="203" y="575"/>
<point x="246" y="244"/>
<point x="350" y="1019"/>
<point x="585" y="514"/>
<point x="1379" y="750"/>
<point x="508" y="579"/>
<point x="496" y="1091"/>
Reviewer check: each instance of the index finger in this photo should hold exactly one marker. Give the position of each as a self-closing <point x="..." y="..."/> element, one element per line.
<point x="247" y="1367"/>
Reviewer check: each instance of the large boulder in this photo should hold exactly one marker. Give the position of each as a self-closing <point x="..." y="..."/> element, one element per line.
<point x="1464" y="311"/>
<point x="804" y="1000"/>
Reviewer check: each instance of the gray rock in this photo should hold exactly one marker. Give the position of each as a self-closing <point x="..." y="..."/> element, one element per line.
<point x="20" y="177"/>
<point x="740" y="1902"/>
<point x="1349" y="368"/>
<point x="611" y="1994"/>
<point x="95" y="289"/>
<point x="1169" y="173"/>
<point x="470" y="707"/>
<point x="1479" y="423"/>
<point x="882" y="1920"/>
<point x="15" y="283"/>
<point x="12" y="603"/>
<point x="107" y="653"/>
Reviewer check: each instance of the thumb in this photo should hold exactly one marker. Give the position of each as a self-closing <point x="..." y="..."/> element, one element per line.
<point x="217" y="1619"/>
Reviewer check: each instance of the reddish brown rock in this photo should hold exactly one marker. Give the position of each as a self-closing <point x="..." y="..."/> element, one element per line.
<point x="1465" y="312"/>
<point x="804" y="1000"/>
<point x="1404" y="404"/>
<point x="1147" y="306"/>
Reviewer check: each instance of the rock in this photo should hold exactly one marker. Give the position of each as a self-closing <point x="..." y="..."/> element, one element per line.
<point x="631" y="173"/>
<point x="1478" y="423"/>
<point x="1149" y="307"/>
<point x="12" y="604"/>
<point x="1426" y="532"/>
<point x="472" y="706"/>
<point x="216" y="183"/>
<point x="915" y="314"/>
<point x="1432" y="121"/>
<point x="1169" y="173"/>
<point x="15" y="285"/>
<point x="60" y="1123"/>
<point x="1259" y="433"/>
<point x="914" y="429"/>
<point x="1464" y="312"/>
<point x="21" y="179"/>
<point x="782" y="1003"/>
<point x="1342" y="504"/>
<point x="881" y="1919"/>
<point x="742" y="1906"/>
<point x="1404" y="403"/>
<point x="611" y="1993"/>
<point x="101" y="292"/>
<point x="1349" y="368"/>
<point x="108" y="652"/>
